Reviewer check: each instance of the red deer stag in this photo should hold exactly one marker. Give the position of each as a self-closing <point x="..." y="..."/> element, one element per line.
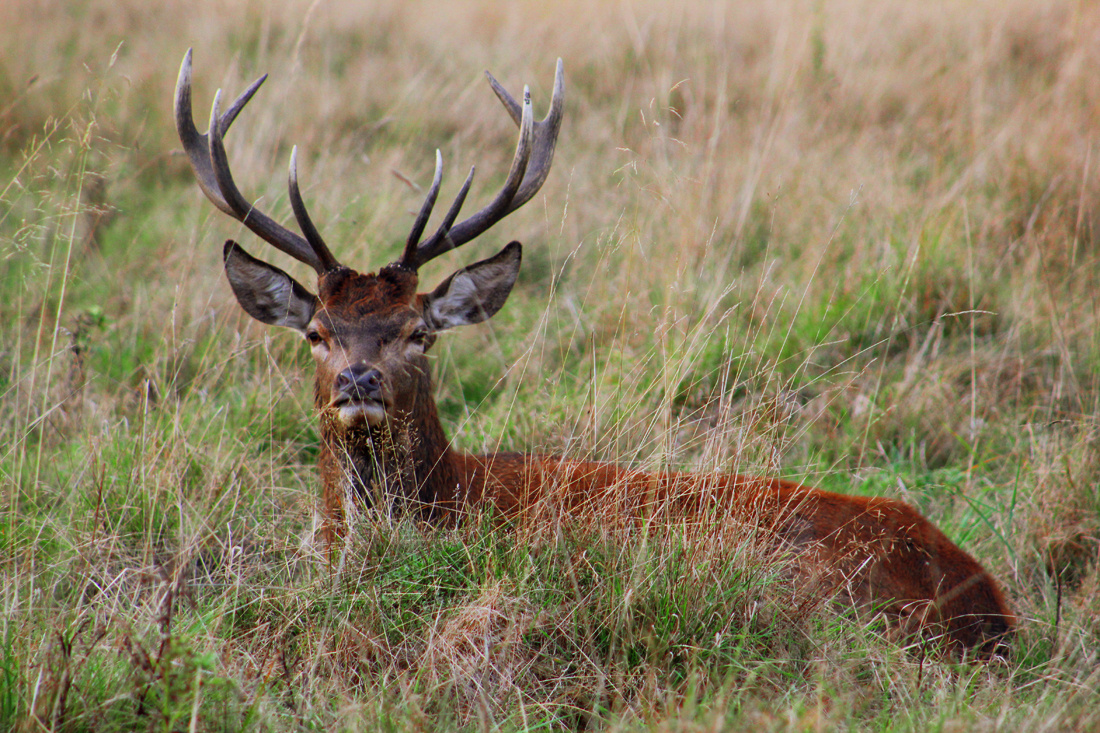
<point x="381" y="435"/>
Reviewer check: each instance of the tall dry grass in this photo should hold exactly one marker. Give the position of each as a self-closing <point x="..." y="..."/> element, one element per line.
<point x="849" y="243"/>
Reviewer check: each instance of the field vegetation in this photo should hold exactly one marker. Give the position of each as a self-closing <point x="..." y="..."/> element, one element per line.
<point x="855" y="244"/>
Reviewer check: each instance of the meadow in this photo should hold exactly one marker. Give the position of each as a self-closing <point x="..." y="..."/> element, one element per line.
<point x="847" y="243"/>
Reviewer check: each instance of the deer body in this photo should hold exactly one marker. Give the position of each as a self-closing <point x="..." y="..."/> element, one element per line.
<point x="383" y="444"/>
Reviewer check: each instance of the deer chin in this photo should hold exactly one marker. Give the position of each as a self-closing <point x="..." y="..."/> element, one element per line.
<point x="356" y="414"/>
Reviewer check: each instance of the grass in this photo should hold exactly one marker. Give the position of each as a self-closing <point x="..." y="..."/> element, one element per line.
<point x="853" y="244"/>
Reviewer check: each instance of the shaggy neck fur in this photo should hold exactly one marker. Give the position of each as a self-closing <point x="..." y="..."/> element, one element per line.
<point x="406" y="464"/>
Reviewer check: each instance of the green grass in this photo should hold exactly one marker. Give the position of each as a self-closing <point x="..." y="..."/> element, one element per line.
<point x="853" y="246"/>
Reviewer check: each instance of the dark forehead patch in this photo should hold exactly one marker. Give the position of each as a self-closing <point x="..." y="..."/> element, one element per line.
<point x="353" y="295"/>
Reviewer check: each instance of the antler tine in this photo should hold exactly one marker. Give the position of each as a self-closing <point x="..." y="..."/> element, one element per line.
<point x="546" y="135"/>
<point x="456" y="206"/>
<point x="305" y="223"/>
<point x="425" y="211"/>
<point x="442" y="240"/>
<point x="195" y="143"/>
<point x="206" y="153"/>
<point x="260" y="223"/>
<point x="530" y="167"/>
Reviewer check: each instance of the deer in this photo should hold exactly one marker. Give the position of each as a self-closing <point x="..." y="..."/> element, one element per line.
<point x="383" y="445"/>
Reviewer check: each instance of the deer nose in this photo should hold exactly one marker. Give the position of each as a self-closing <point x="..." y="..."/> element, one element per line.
<point x="360" y="383"/>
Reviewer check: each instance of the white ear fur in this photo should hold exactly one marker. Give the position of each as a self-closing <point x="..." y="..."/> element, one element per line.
<point x="474" y="293"/>
<point x="453" y="308"/>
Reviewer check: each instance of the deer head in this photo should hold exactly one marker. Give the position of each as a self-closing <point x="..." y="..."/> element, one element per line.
<point x="369" y="332"/>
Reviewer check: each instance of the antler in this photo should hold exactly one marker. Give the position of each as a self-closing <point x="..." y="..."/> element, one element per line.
<point x="530" y="166"/>
<point x="206" y="152"/>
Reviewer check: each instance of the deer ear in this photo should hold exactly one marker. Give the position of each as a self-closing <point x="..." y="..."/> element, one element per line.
<point x="267" y="293"/>
<point x="474" y="293"/>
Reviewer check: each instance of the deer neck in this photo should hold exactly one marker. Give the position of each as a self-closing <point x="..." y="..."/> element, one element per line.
<point x="406" y="463"/>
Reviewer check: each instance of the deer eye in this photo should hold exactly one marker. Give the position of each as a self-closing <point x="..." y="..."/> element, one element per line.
<point x="419" y="336"/>
<point x="314" y="338"/>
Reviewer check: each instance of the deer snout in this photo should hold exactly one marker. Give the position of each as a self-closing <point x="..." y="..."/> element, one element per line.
<point x="360" y="383"/>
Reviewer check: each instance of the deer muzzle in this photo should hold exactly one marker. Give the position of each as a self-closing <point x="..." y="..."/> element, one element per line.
<point x="358" y="396"/>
